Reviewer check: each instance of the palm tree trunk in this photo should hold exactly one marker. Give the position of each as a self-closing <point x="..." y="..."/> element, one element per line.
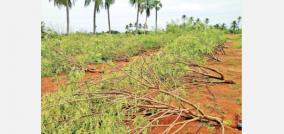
<point x="156" y="20"/>
<point x="137" y="18"/>
<point x="109" y="29"/>
<point x="67" y="14"/>
<point x="145" y="24"/>
<point x="95" y="13"/>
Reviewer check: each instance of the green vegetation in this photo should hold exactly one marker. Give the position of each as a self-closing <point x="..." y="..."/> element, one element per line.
<point x="123" y="101"/>
<point x="236" y="86"/>
<point x="228" y="122"/>
<point x="69" y="111"/>
<point x="238" y="41"/>
<point x="90" y="49"/>
<point x="239" y="101"/>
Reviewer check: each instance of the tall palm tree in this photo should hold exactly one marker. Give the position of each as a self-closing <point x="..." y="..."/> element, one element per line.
<point x="234" y="25"/>
<point x="191" y="19"/>
<point x="217" y="26"/>
<point x="130" y="26"/>
<point x="223" y="26"/>
<point x="148" y="5"/>
<point x="67" y="4"/>
<point x="107" y="6"/>
<point x="158" y="5"/>
<point x="127" y="28"/>
<point x="97" y="5"/>
<point x="183" y="17"/>
<point x="239" y="20"/>
<point x="197" y="20"/>
<point x="138" y="4"/>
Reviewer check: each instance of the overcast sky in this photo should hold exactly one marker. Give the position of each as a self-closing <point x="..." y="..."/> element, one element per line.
<point x="122" y="13"/>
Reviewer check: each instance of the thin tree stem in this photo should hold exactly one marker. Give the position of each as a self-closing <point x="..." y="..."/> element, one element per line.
<point x="137" y="18"/>
<point x="95" y="12"/>
<point x="67" y="15"/>
<point x="156" y="20"/>
<point x="109" y="29"/>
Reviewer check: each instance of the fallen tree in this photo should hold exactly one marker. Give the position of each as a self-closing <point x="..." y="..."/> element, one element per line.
<point x="145" y="103"/>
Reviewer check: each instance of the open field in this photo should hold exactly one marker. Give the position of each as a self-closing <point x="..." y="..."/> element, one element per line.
<point x="183" y="80"/>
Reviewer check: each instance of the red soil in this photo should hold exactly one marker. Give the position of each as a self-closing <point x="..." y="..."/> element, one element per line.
<point x="227" y="101"/>
<point x="49" y="84"/>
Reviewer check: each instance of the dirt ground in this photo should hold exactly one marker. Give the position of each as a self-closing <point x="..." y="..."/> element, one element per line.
<point x="220" y="100"/>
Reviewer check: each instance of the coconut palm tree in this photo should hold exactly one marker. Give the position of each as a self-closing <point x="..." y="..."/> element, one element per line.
<point x="183" y="17"/>
<point x="234" y="26"/>
<point x="127" y="28"/>
<point x="107" y="6"/>
<point x="207" y="21"/>
<point x="130" y="26"/>
<point x="97" y="5"/>
<point x="217" y="26"/>
<point x="197" y="20"/>
<point x="223" y="26"/>
<point x="138" y="4"/>
<point x="158" y="5"/>
<point x="239" y="20"/>
<point x="148" y="5"/>
<point x="191" y="19"/>
<point x="67" y="4"/>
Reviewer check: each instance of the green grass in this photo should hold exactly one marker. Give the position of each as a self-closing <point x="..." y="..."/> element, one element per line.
<point x="238" y="41"/>
<point x="93" y="49"/>
<point x="239" y="101"/>
<point x="227" y="122"/>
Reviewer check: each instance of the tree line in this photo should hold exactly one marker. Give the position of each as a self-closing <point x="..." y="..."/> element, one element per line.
<point x="235" y="26"/>
<point x="141" y="5"/>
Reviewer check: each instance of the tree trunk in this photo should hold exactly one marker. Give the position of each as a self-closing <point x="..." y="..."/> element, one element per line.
<point x="156" y="20"/>
<point x="145" y="24"/>
<point x="109" y="29"/>
<point x="67" y="14"/>
<point x="95" y="13"/>
<point x="137" y="18"/>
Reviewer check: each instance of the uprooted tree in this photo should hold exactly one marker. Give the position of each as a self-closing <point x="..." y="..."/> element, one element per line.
<point x="147" y="96"/>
